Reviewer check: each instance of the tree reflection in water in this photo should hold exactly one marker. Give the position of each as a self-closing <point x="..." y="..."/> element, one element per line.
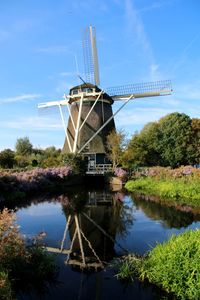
<point x="170" y="216"/>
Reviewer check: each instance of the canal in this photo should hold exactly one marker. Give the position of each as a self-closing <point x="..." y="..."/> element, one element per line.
<point x="99" y="225"/>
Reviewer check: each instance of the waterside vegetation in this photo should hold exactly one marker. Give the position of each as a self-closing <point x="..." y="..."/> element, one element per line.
<point x="27" y="170"/>
<point x="21" y="266"/>
<point x="174" y="266"/>
<point x="179" y="186"/>
<point x="17" y="185"/>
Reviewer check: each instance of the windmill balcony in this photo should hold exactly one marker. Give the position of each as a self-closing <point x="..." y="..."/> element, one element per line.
<point x="99" y="169"/>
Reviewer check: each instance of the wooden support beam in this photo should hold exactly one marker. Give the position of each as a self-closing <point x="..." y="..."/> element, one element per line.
<point x="86" y="265"/>
<point x="72" y="243"/>
<point x="90" y="246"/>
<point x="57" y="250"/>
<point x="80" y="239"/>
<point x="65" y="233"/>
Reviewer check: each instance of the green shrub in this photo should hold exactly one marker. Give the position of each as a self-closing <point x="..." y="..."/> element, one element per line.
<point x="7" y="159"/>
<point x="76" y="162"/>
<point x="20" y="266"/>
<point x="11" y="243"/>
<point x="22" y="161"/>
<point x="175" y="265"/>
<point x="50" y="162"/>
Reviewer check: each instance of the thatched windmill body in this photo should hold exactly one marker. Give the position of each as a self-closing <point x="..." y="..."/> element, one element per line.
<point x="91" y="117"/>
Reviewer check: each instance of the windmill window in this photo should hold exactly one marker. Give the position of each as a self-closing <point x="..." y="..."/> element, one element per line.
<point x="87" y="90"/>
<point x="75" y="92"/>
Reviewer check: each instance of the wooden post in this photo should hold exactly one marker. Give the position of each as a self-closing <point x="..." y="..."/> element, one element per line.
<point x="80" y="239"/>
<point x="72" y="243"/>
<point x="65" y="232"/>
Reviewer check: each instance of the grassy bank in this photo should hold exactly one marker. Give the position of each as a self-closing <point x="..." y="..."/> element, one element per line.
<point x="174" y="266"/>
<point x="181" y="186"/>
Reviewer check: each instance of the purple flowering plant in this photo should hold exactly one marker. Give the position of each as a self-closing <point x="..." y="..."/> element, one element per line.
<point x="119" y="172"/>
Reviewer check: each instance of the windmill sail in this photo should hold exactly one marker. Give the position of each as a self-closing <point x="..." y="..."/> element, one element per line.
<point x="90" y="56"/>
<point x="140" y="90"/>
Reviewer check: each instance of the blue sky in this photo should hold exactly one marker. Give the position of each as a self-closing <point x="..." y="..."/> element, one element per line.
<point x="137" y="40"/>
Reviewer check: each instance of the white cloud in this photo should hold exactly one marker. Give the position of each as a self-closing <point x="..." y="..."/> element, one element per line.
<point x="155" y="5"/>
<point x="33" y="123"/>
<point x="154" y="72"/>
<point x="141" y="116"/>
<point x="163" y="102"/>
<point x="63" y="86"/>
<point x="137" y="31"/>
<point x="53" y="49"/>
<point x="49" y="209"/>
<point x="20" y="98"/>
<point x="183" y="55"/>
<point x="136" y="26"/>
<point x="67" y="74"/>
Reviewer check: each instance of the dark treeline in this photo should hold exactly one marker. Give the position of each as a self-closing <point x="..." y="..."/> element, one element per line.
<point x="25" y="156"/>
<point x="172" y="141"/>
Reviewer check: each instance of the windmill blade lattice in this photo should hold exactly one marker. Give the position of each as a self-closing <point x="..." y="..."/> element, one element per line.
<point x="87" y="55"/>
<point x="90" y="56"/>
<point x="145" y="89"/>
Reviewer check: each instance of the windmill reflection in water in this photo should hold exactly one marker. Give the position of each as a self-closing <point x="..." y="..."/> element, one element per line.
<point x="92" y="230"/>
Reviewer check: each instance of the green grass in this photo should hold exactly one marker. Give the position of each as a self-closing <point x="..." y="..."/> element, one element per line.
<point x="174" y="266"/>
<point x="127" y="268"/>
<point x="178" y="191"/>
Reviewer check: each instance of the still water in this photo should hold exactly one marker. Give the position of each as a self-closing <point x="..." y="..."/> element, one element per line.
<point x="98" y="225"/>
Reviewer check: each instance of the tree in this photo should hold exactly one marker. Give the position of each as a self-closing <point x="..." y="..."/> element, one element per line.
<point x="7" y="159"/>
<point x="194" y="147"/>
<point x="136" y="153"/>
<point x="115" y="145"/>
<point x="172" y="141"/>
<point x="174" y="137"/>
<point x="23" y="146"/>
<point x="141" y="150"/>
<point x="51" y="152"/>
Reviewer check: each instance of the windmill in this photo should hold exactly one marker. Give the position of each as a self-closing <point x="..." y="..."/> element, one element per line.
<point x="91" y="117"/>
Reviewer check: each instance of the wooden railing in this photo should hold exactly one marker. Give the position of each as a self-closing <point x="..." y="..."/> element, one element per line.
<point x="99" y="169"/>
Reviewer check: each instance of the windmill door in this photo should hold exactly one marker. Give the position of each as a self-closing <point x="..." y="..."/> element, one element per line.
<point x="91" y="162"/>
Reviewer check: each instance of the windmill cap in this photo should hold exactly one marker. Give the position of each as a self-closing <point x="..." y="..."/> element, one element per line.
<point x="90" y="86"/>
